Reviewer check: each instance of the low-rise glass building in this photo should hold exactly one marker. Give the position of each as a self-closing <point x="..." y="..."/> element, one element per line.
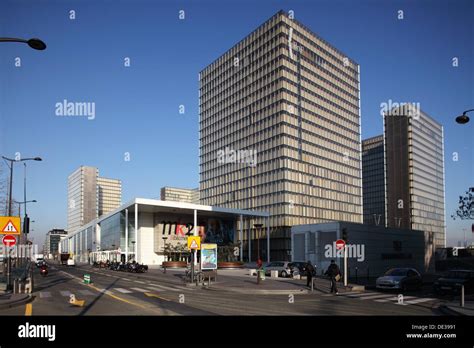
<point x="148" y="231"/>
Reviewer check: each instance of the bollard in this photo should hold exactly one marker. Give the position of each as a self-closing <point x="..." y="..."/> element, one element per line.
<point x="312" y="284"/>
<point x="462" y="295"/>
<point x="28" y="286"/>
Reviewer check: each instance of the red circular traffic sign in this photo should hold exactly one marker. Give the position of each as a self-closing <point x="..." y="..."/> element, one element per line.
<point x="340" y="244"/>
<point x="9" y="241"/>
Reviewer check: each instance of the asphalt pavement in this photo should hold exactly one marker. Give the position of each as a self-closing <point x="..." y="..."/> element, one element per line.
<point x="156" y="293"/>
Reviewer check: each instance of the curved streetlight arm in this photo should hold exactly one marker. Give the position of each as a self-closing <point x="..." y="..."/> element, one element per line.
<point x="465" y="112"/>
<point x="22" y="159"/>
<point x="34" y="43"/>
<point x="33" y="201"/>
<point x="12" y="39"/>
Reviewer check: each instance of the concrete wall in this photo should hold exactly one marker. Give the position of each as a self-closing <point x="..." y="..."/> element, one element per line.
<point x="146" y="232"/>
<point x="373" y="249"/>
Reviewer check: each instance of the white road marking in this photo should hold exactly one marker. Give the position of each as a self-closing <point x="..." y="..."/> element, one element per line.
<point x="392" y="299"/>
<point x="362" y="294"/>
<point x="163" y="287"/>
<point x="45" y="294"/>
<point x="139" y="281"/>
<point x="376" y="296"/>
<point x="108" y="292"/>
<point x="123" y="291"/>
<point x="65" y="293"/>
<point x="420" y="300"/>
<point x="139" y="289"/>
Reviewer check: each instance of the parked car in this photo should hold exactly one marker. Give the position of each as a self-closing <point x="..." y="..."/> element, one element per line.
<point x="283" y="268"/>
<point x="452" y="281"/>
<point x="401" y="279"/>
<point x="299" y="267"/>
<point x="71" y="262"/>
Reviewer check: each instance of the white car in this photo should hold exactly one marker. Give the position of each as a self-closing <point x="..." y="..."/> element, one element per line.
<point x="70" y="262"/>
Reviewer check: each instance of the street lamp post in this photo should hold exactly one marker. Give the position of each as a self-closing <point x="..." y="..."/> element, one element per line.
<point x="257" y="229"/>
<point x="34" y="43"/>
<point x="134" y="250"/>
<point x="164" y="251"/>
<point x="11" y="160"/>
<point x="10" y="201"/>
<point x="26" y="224"/>
<point x="259" y="262"/>
<point x="463" y="119"/>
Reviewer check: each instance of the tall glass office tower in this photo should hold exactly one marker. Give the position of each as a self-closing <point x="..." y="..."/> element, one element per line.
<point x="414" y="160"/>
<point x="280" y="130"/>
<point x="373" y="180"/>
<point x="90" y="196"/>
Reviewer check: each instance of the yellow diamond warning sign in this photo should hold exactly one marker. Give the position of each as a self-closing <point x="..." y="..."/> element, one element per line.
<point x="9" y="225"/>
<point x="194" y="243"/>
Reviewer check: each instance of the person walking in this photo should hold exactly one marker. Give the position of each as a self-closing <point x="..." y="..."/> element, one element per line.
<point x="259" y="263"/>
<point x="333" y="272"/>
<point x="310" y="272"/>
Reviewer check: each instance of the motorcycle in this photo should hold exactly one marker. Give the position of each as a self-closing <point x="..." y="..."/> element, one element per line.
<point x="44" y="271"/>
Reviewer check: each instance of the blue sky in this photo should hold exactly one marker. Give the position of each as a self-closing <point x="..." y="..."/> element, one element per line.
<point x="137" y="106"/>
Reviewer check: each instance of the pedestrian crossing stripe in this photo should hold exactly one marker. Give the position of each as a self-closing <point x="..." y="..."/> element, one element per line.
<point x="420" y="300"/>
<point x="163" y="287"/>
<point x="139" y="289"/>
<point x="123" y="291"/>
<point x="360" y="294"/>
<point x="395" y="299"/>
<point x="45" y="294"/>
<point x="384" y="298"/>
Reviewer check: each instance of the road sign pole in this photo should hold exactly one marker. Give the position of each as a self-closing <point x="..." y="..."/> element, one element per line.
<point x="9" y="270"/>
<point x="192" y="266"/>
<point x="345" y="265"/>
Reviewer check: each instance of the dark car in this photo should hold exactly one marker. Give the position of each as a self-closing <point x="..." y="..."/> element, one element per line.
<point x="299" y="267"/>
<point x="400" y="279"/>
<point x="452" y="282"/>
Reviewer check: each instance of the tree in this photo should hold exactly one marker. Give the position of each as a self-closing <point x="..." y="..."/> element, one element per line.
<point x="466" y="206"/>
<point x="3" y="189"/>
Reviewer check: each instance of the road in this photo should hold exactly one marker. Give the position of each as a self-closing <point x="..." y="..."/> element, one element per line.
<point x="118" y="293"/>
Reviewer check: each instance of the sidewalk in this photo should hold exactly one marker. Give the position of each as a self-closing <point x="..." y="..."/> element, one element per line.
<point x="237" y="280"/>
<point x="8" y="300"/>
<point x="454" y="308"/>
<point x="270" y="286"/>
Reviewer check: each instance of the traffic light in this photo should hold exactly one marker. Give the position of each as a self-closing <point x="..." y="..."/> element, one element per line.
<point x="26" y="225"/>
<point x="344" y="235"/>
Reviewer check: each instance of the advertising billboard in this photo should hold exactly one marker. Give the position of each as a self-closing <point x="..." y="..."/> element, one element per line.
<point x="208" y="256"/>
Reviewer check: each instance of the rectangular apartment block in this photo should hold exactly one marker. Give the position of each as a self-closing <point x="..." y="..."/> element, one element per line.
<point x="90" y="196"/>
<point x="280" y="130"/>
<point x="109" y="194"/>
<point x="179" y="194"/>
<point x="82" y="197"/>
<point x="414" y="159"/>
